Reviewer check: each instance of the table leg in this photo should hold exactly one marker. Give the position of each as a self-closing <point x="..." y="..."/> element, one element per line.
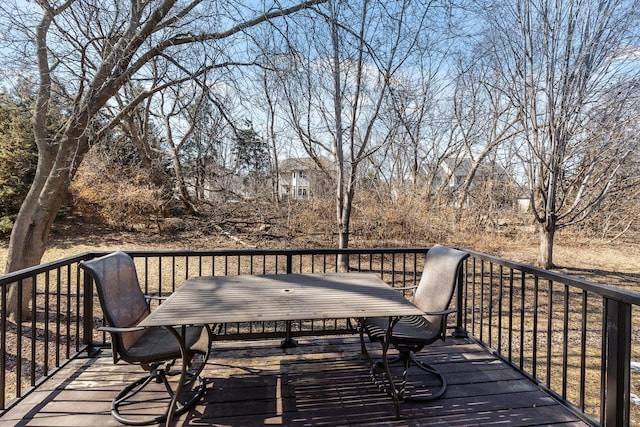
<point x="185" y="361"/>
<point x="385" y="362"/>
<point x="288" y="341"/>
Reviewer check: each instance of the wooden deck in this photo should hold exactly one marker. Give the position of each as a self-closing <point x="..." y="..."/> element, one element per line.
<point x="324" y="381"/>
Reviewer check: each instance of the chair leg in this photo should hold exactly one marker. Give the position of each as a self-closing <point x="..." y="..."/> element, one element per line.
<point x="387" y="371"/>
<point x="413" y="360"/>
<point x="363" y="347"/>
<point x="130" y="391"/>
<point x="190" y="394"/>
<point x="408" y="359"/>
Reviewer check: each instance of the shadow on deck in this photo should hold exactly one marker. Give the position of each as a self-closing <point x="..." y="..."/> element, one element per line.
<point x="324" y="381"/>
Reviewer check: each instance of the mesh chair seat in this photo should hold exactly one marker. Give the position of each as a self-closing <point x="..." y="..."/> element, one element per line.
<point x="408" y="330"/>
<point x="160" y="344"/>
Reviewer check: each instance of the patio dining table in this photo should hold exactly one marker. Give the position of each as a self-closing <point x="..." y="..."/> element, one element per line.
<point x="279" y="297"/>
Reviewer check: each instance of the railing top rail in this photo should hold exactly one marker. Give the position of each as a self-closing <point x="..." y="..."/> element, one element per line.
<point x="293" y="251"/>
<point x="606" y="291"/>
<point x="42" y="268"/>
<point x="25" y="273"/>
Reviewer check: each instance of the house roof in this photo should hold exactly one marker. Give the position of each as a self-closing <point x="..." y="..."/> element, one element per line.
<point x="302" y="163"/>
<point x="461" y="167"/>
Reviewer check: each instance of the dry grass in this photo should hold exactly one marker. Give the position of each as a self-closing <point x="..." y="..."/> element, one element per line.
<point x="310" y="225"/>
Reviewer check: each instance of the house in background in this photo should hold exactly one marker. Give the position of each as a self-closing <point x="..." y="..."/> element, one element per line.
<point x="301" y="178"/>
<point x="489" y="181"/>
<point x="452" y="172"/>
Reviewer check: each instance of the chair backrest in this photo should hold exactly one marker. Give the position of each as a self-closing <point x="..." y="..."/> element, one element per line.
<point x="122" y="301"/>
<point x="438" y="282"/>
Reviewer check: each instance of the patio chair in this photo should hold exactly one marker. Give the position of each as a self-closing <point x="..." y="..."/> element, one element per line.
<point x="154" y="349"/>
<point x="408" y="335"/>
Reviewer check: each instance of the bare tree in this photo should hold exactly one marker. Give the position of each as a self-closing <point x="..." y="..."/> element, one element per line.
<point x="341" y="82"/>
<point x="90" y="49"/>
<point x="138" y="127"/>
<point x="483" y="118"/>
<point x="179" y="106"/>
<point x="206" y="149"/>
<point x="413" y="118"/>
<point x="561" y="61"/>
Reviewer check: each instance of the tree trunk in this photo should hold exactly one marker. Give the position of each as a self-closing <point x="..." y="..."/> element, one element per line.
<point x="547" y="233"/>
<point x="343" y="235"/>
<point x="36" y="216"/>
<point x="185" y="197"/>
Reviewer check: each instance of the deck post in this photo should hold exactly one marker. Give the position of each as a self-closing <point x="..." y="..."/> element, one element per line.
<point x="460" y="331"/>
<point x="87" y="321"/>
<point x="618" y="355"/>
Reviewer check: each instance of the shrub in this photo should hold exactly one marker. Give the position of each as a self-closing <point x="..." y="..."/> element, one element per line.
<point x="116" y="194"/>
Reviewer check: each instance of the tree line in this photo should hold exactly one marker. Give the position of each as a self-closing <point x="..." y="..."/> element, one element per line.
<point x="388" y="90"/>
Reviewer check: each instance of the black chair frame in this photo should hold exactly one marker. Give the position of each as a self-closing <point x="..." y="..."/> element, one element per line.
<point x="155" y="350"/>
<point x="409" y="335"/>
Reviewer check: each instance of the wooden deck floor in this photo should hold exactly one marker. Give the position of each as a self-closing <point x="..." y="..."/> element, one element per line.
<point x="324" y="381"/>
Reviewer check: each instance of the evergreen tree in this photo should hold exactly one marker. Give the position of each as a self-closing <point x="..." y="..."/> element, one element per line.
<point x="18" y="157"/>
<point x="251" y="152"/>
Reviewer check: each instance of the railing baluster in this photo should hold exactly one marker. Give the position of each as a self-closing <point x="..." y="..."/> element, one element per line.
<point x="549" y="331"/>
<point x="19" y="341"/>
<point x="510" y="334"/>
<point x="78" y="315"/>
<point x="490" y="306"/>
<point x="534" y="334"/>
<point x="58" y="316"/>
<point x="3" y="349"/>
<point x="500" y="296"/>
<point x="473" y="297"/>
<point x="583" y="352"/>
<point x="47" y="284"/>
<point x="565" y="342"/>
<point x="87" y="328"/>
<point x="33" y="342"/>
<point x="482" y="308"/>
<point x="523" y="279"/>
<point x="146" y="275"/>
<point x="68" y="316"/>
<point x="393" y="270"/>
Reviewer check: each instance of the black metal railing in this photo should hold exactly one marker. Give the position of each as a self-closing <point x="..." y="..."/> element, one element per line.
<point x="570" y="336"/>
<point x="53" y="333"/>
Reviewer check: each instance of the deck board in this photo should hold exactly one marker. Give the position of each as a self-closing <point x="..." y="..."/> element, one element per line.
<point x="324" y="381"/>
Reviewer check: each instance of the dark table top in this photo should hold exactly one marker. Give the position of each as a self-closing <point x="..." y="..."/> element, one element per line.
<point x="252" y="298"/>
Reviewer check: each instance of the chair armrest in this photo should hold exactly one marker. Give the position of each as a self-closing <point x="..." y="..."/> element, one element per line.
<point x="444" y="314"/>
<point x="119" y="330"/>
<point x="149" y="298"/>
<point x="403" y="288"/>
<point x="441" y="313"/>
